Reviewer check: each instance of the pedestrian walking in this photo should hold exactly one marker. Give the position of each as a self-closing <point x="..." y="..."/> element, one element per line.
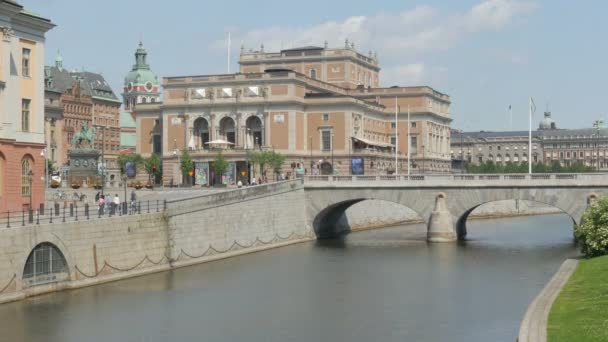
<point x="101" y="203"/>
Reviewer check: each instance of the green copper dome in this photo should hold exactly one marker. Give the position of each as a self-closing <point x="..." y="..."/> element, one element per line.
<point x="141" y="73"/>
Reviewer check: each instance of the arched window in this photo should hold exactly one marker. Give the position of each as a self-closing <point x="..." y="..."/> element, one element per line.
<point x="26" y="167"/>
<point x="313" y="73"/>
<point x="45" y="264"/>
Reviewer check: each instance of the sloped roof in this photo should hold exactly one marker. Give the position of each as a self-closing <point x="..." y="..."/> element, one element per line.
<point x="95" y="85"/>
<point x="91" y="84"/>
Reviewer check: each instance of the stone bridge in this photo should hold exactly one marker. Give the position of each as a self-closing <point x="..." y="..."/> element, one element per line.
<point x="445" y="201"/>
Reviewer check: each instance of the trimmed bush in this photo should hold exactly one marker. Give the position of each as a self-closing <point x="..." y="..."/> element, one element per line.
<point x="592" y="233"/>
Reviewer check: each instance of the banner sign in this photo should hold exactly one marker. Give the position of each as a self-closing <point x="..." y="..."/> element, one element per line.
<point x="201" y="173"/>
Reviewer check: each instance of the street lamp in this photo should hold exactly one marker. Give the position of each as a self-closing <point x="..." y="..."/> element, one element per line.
<point x="423" y="157"/>
<point x="124" y="184"/>
<point x="311" y="162"/>
<point x="30" y="176"/>
<point x="333" y="170"/>
<point x="46" y="172"/>
<point x="103" y="163"/>
<point x="597" y="145"/>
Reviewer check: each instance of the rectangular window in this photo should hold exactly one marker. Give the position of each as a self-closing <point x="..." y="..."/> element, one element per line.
<point x="414" y="144"/>
<point x="326" y="140"/>
<point x="25" y="115"/>
<point x="393" y="141"/>
<point x="325" y="117"/>
<point x="393" y="125"/>
<point x="413" y="124"/>
<point x="25" y="62"/>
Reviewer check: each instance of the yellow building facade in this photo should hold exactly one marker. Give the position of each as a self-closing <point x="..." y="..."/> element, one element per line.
<point x="22" y="144"/>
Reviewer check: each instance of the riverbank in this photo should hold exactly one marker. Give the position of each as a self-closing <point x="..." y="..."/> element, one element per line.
<point x="580" y="312"/>
<point x="534" y="325"/>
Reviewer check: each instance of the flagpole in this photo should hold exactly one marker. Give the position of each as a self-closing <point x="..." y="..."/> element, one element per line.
<point x="229" y="46"/>
<point x="510" y="118"/>
<point x="396" y="136"/>
<point x="530" y="136"/>
<point x="409" y="127"/>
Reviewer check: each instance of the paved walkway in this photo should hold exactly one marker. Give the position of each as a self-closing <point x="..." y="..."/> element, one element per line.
<point x="534" y="325"/>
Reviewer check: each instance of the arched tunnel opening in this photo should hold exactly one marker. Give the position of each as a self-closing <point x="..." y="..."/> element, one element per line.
<point x="342" y="218"/>
<point x="506" y="209"/>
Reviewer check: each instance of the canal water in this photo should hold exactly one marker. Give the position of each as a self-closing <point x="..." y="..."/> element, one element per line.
<point x="381" y="285"/>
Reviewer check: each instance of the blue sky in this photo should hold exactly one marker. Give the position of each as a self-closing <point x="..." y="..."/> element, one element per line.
<point x="486" y="54"/>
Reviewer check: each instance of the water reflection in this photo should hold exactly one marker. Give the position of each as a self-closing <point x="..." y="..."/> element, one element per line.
<point x="382" y="285"/>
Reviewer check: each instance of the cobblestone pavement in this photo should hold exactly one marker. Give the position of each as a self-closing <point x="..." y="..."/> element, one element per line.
<point x="534" y="325"/>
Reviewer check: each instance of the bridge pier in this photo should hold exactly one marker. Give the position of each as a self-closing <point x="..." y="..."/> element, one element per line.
<point x="441" y="225"/>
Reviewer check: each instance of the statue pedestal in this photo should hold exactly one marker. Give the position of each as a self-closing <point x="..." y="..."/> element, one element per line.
<point x="84" y="167"/>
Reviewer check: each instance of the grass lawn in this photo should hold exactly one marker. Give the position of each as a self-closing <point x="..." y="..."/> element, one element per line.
<point x="580" y="313"/>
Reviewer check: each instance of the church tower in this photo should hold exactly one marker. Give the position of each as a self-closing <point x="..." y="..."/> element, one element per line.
<point x="141" y="84"/>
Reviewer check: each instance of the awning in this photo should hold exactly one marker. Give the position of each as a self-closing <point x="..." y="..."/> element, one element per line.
<point x="373" y="143"/>
<point x="219" y="142"/>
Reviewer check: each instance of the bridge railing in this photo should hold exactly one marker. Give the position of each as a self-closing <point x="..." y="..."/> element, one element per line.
<point x="59" y="214"/>
<point x="460" y="177"/>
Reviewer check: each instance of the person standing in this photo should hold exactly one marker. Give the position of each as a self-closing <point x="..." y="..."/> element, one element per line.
<point x="116" y="202"/>
<point x="133" y="200"/>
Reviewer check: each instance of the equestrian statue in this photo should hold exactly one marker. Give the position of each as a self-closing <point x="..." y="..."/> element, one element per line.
<point x="84" y="138"/>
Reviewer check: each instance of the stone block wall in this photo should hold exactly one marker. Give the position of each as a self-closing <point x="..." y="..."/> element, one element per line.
<point x="191" y="231"/>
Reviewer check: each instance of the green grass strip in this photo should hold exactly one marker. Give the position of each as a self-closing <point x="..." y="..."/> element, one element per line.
<point x="580" y="313"/>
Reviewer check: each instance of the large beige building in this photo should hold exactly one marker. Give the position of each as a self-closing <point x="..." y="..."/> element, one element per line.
<point x="21" y="107"/>
<point x="320" y="107"/>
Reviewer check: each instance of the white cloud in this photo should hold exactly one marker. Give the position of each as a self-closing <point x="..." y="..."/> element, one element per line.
<point x="495" y="14"/>
<point x="402" y="39"/>
<point x="414" y="74"/>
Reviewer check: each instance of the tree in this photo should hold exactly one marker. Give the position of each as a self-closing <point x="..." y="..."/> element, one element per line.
<point x="276" y="161"/>
<point x="50" y="166"/>
<point x="153" y="166"/>
<point x="220" y="165"/>
<point x="132" y="157"/>
<point x="186" y="164"/>
<point x="255" y="158"/>
<point x="592" y="233"/>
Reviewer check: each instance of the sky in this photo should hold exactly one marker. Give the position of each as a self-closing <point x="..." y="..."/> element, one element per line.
<point x="486" y="54"/>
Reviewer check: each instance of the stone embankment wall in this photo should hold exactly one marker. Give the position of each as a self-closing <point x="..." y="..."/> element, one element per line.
<point x="375" y="214"/>
<point x="190" y="231"/>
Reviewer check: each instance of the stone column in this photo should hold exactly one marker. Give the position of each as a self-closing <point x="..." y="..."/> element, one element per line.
<point x="441" y="226"/>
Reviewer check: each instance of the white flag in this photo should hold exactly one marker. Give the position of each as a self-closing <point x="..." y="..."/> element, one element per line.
<point x="532" y="107"/>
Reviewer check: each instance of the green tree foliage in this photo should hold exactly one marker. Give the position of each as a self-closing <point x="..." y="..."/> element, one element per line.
<point x="50" y="166"/>
<point x="133" y="157"/>
<point x="509" y="167"/>
<point x="592" y="233"/>
<point x="154" y="166"/>
<point x="276" y="161"/>
<point x="220" y="165"/>
<point x="186" y="163"/>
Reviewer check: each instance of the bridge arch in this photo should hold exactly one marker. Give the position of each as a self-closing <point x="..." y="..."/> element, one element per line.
<point x="331" y="221"/>
<point x="44" y="265"/>
<point x="461" y="221"/>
